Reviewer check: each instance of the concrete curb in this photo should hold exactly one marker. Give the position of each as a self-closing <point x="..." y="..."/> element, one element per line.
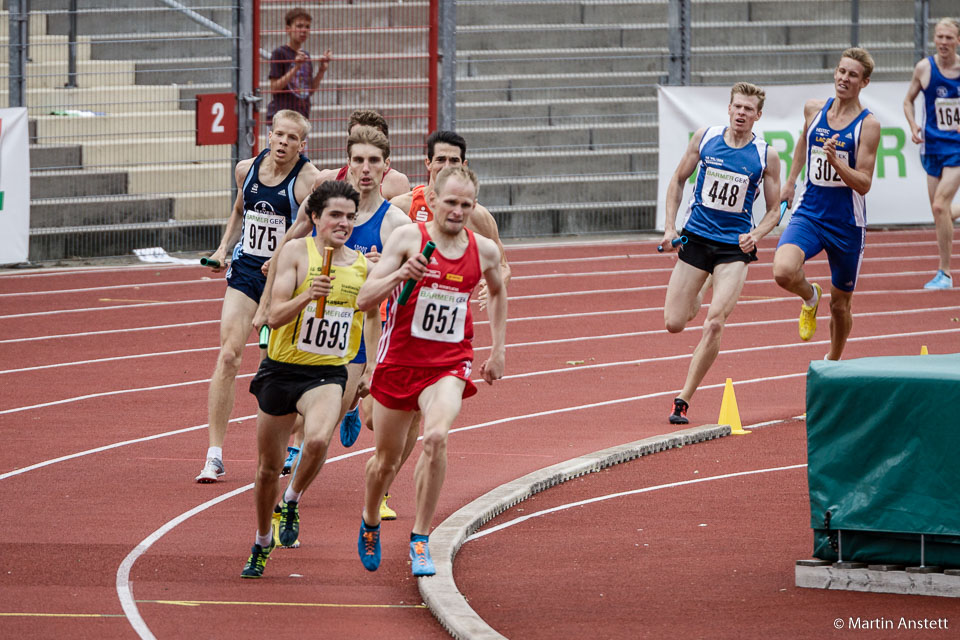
<point x="440" y="592"/>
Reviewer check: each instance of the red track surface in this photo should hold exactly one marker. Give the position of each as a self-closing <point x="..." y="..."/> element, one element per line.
<point x="69" y="525"/>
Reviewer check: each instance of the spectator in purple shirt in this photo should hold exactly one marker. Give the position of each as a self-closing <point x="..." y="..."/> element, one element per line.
<point x="291" y="72"/>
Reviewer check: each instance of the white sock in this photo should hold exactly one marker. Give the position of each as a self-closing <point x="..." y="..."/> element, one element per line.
<point x="290" y="495"/>
<point x="812" y="302"/>
<point x="264" y="541"/>
<point x="215" y="452"/>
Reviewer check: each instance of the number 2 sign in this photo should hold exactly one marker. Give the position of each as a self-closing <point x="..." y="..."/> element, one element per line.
<point x="216" y="118"/>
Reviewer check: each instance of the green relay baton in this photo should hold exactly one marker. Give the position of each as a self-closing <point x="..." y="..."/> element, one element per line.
<point x="410" y="284"/>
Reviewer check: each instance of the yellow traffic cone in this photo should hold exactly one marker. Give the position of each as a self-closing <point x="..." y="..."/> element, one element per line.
<point x="923" y="351"/>
<point x="729" y="414"/>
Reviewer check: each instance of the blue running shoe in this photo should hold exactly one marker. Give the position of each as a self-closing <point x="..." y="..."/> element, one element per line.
<point x="292" y="453"/>
<point x="350" y="427"/>
<point x="368" y="546"/>
<point x="940" y="281"/>
<point x="421" y="562"/>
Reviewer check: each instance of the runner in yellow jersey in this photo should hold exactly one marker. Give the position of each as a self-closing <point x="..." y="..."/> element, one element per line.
<point x="305" y="368"/>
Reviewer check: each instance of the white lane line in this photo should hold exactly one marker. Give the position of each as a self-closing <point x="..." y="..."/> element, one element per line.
<point x="625" y="272"/>
<point x="155" y="327"/>
<point x="57" y="365"/>
<point x="110" y="287"/>
<point x="117" y="392"/>
<point x="125" y="587"/>
<point x="512" y="345"/>
<point x="763" y="281"/>
<point x="114" y="445"/>
<point x="635" y="256"/>
<point x="538" y="414"/>
<point x="530" y="374"/>
<point x="109" y="308"/>
<point x="657" y="287"/>
<point x="621" y="494"/>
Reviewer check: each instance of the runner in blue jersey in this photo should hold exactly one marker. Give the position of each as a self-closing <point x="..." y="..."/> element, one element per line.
<point x="839" y="148"/>
<point x="938" y="79"/>
<point x="270" y="189"/>
<point x="721" y="237"/>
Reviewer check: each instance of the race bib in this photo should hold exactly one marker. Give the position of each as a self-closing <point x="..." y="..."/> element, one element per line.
<point x="329" y="336"/>
<point x="948" y="113"/>
<point x="822" y="172"/>
<point x="262" y="232"/>
<point x="440" y="315"/>
<point x="724" y="190"/>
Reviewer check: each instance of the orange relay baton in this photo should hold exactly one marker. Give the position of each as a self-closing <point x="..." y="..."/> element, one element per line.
<point x="327" y="259"/>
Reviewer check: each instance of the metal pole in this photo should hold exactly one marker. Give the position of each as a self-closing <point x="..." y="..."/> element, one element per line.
<point x="72" y="47"/>
<point x="448" y="65"/>
<point x="855" y="23"/>
<point x="433" y="66"/>
<point x="17" y="81"/>
<point x="243" y="81"/>
<point x="921" y="22"/>
<point x="678" y="40"/>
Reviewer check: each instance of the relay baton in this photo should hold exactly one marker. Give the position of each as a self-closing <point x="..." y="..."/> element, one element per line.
<point x="783" y="210"/>
<point x="411" y="283"/>
<point x="208" y="262"/>
<point x="264" y="336"/>
<point x="327" y="259"/>
<point x="675" y="242"/>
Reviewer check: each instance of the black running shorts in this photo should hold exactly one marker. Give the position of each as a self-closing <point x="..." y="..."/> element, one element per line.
<point x="278" y="386"/>
<point x="705" y="254"/>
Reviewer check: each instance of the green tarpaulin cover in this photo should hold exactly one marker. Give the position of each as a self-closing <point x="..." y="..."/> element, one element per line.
<point x="883" y="448"/>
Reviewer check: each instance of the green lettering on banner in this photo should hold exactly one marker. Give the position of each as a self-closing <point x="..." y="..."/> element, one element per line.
<point x="785" y="153"/>
<point x="896" y="152"/>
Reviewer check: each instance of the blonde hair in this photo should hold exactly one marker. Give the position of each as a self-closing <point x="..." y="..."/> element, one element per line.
<point x="747" y="89"/>
<point x="457" y="171"/>
<point x="369" y="135"/>
<point x="862" y="56"/>
<point x="294" y="117"/>
<point x="951" y="22"/>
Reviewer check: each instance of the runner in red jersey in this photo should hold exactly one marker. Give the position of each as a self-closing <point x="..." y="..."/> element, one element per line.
<point x="425" y="356"/>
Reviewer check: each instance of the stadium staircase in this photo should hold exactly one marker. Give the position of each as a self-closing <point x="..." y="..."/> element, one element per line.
<point x="556" y="98"/>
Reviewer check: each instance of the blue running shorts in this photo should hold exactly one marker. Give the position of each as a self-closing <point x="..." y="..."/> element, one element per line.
<point x="247" y="279"/>
<point x="933" y="163"/>
<point x="843" y="244"/>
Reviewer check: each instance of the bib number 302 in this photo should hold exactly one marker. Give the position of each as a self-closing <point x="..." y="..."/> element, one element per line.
<point x="822" y="172"/>
<point x="440" y="315"/>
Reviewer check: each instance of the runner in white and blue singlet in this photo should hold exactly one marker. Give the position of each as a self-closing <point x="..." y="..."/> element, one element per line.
<point x="721" y="208"/>
<point x="937" y="78"/>
<point x="718" y="225"/>
<point x="839" y="149"/>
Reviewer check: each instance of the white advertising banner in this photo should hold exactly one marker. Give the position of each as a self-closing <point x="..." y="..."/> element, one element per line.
<point x="14" y="186"/>
<point x="899" y="191"/>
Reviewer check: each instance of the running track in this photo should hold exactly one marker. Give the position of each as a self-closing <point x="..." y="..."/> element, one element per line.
<point x="103" y="409"/>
